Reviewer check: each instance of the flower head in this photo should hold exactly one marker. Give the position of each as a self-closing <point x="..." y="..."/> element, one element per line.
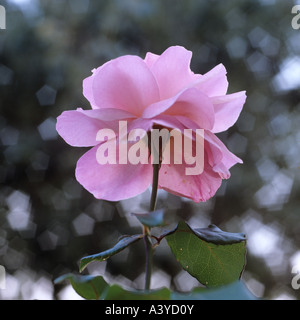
<point x="158" y="91"/>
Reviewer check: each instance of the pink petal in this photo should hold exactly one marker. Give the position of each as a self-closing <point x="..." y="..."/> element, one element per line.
<point x="227" y="110"/>
<point x="79" y="127"/>
<point x="217" y="162"/>
<point x="172" y="71"/>
<point x="87" y="85"/>
<point x="124" y="83"/>
<point x="137" y="124"/>
<point x="217" y="154"/>
<point x="167" y="121"/>
<point x="150" y="59"/>
<point x="219" y="157"/>
<point x="214" y="82"/>
<point x="201" y="187"/>
<point x="190" y="103"/>
<point x="140" y="123"/>
<point x="112" y="182"/>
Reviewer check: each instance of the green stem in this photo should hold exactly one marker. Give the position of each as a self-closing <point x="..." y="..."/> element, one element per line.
<point x="154" y="186"/>
<point x="147" y="241"/>
<point x="149" y="254"/>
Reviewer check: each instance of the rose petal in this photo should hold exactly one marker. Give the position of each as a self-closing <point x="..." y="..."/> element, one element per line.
<point x="227" y="110"/>
<point x="79" y="127"/>
<point x="150" y="59"/>
<point x="87" y="86"/>
<point x="214" y="82"/>
<point x="217" y="162"/>
<point x="219" y="157"/>
<point x="170" y="122"/>
<point x="172" y="71"/>
<point x="190" y="103"/>
<point x="112" y="182"/>
<point x="173" y="179"/>
<point x="124" y="83"/>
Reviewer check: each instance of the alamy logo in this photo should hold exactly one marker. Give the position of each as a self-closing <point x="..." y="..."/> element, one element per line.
<point x="296" y="279"/>
<point x="296" y="20"/>
<point x="2" y="18"/>
<point x="2" y="277"/>
<point x="165" y="147"/>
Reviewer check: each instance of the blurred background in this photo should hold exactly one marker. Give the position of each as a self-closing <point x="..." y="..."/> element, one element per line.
<point x="48" y="221"/>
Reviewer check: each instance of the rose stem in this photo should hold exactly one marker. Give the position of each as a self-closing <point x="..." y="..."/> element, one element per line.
<point x="147" y="242"/>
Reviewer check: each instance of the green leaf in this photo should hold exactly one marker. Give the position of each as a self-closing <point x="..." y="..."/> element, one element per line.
<point x="95" y="288"/>
<point x="89" y="287"/>
<point x="116" y="292"/>
<point x="215" y="235"/>
<point x="151" y="219"/>
<point x="212" y="256"/>
<point x="233" y="291"/>
<point x="121" y="245"/>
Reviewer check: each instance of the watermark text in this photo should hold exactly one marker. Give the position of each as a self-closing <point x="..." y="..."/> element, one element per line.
<point x="2" y="277"/>
<point x="296" y="19"/>
<point x="2" y="17"/>
<point x="296" y="279"/>
<point x="158" y="146"/>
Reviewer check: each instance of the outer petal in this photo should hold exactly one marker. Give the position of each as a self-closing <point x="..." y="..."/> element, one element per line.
<point x="190" y="103"/>
<point x="172" y="71"/>
<point x="202" y="187"/>
<point x="112" y="182"/>
<point x="79" y="127"/>
<point x="227" y="110"/>
<point x="214" y="82"/>
<point x="150" y="59"/>
<point x="87" y="85"/>
<point x="124" y="83"/>
<point x="219" y="157"/>
<point x="217" y="162"/>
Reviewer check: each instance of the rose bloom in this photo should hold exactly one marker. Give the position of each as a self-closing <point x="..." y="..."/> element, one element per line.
<point x="160" y="90"/>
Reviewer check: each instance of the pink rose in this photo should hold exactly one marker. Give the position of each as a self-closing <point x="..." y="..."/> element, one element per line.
<point x="159" y="90"/>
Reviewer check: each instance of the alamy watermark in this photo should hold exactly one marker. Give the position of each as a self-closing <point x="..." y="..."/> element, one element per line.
<point x="158" y="146"/>
<point x="296" y="279"/>
<point x="2" y="277"/>
<point x="2" y="17"/>
<point x="296" y="20"/>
